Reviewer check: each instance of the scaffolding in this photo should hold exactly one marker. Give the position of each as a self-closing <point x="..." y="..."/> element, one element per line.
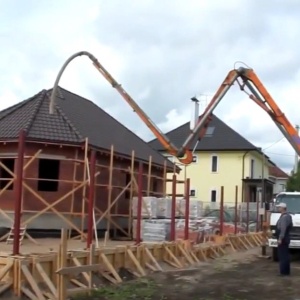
<point x="82" y="193"/>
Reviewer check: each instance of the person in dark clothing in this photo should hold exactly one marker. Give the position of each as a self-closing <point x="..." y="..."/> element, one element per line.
<point x="283" y="227"/>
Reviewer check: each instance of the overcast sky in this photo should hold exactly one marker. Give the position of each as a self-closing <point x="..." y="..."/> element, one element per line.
<point x="163" y="53"/>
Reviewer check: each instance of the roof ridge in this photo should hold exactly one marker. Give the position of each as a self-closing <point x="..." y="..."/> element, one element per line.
<point x="64" y="116"/>
<point x="41" y="97"/>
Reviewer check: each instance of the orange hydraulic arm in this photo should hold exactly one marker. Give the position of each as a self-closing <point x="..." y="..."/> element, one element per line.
<point x="246" y="78"/>
<point x="186" y="156"/>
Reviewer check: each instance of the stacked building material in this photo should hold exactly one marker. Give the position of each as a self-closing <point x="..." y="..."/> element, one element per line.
<point x="149" y="207"/>
<point x="156" y="217"/>
<point x="164" y="208"/>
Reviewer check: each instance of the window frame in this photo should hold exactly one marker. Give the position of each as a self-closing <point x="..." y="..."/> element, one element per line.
<point x="195" y="192"/>
<point x="216" y="195"/>
<point x="217" y="163"/>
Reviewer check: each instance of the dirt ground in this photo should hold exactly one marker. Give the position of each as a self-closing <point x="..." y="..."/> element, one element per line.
<point x="242" y="276"/>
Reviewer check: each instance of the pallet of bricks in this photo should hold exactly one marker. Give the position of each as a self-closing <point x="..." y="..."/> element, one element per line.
<point x="156" y="219"/>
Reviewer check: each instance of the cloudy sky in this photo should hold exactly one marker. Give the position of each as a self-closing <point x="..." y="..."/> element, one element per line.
<point x="163" y="52"/>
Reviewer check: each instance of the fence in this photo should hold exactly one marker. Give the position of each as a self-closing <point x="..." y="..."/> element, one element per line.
<point x="194" y="220"/>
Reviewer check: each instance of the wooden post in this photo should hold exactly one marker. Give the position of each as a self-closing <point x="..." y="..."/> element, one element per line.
<point x="222" y="211"/>
<point x="173" y="208"/>
<point x="73" y="186"/>
<point x="187" y="209"/>
<point x="139" y="204"/>
<point x="149" y="176"/>
<point x="19" y="192"/>
<point x="63" y="263"/>
<point x="86" y="145"/>
<point x="131" y="194"/>
<point x="110" y="187"/>
<point x="91" y="199"/>
<point x="165" y="179"/>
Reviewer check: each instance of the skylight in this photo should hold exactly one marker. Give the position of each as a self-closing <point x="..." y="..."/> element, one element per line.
<point x="209" y="131"/>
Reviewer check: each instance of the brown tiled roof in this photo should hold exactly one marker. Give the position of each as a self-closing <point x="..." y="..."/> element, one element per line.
<point x="75" y="118"/>
<point x="277" y="172"/>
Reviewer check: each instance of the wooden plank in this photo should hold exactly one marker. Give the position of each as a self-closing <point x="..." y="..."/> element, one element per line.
<point x="152" y="258"/>
<point x="62" y="292"/>
<point x="6" y="269"/>
<point x="46" y="279"/>
<point x="5" y="287"/>
<point x="28" y="276"/>
<point x="110" y="178"/>
<point x="136" y="262"/>
<point x="84" y="273"/>
<point x="149" y="176"/>
<point x="28" y="293"/>
<point x="131" y="170"/>
<point x="86" y="161"/>
<point x="75" y="270"/>
<point x="110" y="267"/>
<point x="174" y="258"/>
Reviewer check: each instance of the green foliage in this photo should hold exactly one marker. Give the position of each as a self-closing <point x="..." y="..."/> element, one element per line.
<point x="293" y="183"/>
<point x="143" y="289"/>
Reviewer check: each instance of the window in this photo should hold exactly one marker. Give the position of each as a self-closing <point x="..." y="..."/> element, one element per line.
<point x="213" y="196"/>
<point x="252" y="168"/>
<point x="48" y="175"/>
<point x="192" y="192"/>
<point x="5" y="176"/>
<point x="154" y="185"/>
<point x="127" y="180"/>
<point x="195" y="159"/>
<point x="214" y="163"/>
<point x="209" y="131"/>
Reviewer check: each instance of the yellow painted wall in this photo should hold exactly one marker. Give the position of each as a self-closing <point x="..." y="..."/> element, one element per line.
<point x="229" y="174"/>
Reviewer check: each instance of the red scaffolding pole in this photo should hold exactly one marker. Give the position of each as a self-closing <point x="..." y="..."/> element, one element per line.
<point x="236" y="210"/>
<point x="19" y="192"/>
<point x="222" y="211"/>
<point x="173" y="208"/>
<point x="187" y="209"/>
<point x="91" y="198"/>
<point x="139" y="204"/>
<point x="247" y="212"/>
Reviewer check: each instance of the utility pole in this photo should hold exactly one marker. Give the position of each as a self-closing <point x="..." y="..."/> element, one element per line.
<point x="296" y="154"/>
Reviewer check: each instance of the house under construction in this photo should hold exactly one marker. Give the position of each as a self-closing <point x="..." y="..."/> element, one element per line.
<point x="56" y="170"/>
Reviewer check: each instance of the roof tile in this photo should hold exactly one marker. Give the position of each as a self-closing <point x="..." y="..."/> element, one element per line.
<point x="223" y="138"/>
<point x="75" y="118"/>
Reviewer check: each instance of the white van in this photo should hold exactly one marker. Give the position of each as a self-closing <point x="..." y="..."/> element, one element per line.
<point x="292" y="200"/>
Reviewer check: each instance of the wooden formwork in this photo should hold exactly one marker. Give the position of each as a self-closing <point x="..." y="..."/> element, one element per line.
<point x="57" y="275"/>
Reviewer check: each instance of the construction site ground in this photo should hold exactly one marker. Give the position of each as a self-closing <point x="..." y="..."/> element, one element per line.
<point x="238" y="276"/>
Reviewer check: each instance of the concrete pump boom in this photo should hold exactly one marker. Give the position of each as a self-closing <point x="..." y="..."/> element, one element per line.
<point x="244" y="77"/>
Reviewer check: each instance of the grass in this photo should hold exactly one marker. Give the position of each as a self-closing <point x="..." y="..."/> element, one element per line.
<point x="143" y="289"/>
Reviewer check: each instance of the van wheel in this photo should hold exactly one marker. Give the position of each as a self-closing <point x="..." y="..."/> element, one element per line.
<point x="275" y="254"/>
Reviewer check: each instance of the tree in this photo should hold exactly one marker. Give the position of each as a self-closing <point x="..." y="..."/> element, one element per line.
<point x="293" y="183"/>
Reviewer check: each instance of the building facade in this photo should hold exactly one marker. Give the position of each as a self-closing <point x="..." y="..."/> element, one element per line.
<point x="222" y="158"/>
